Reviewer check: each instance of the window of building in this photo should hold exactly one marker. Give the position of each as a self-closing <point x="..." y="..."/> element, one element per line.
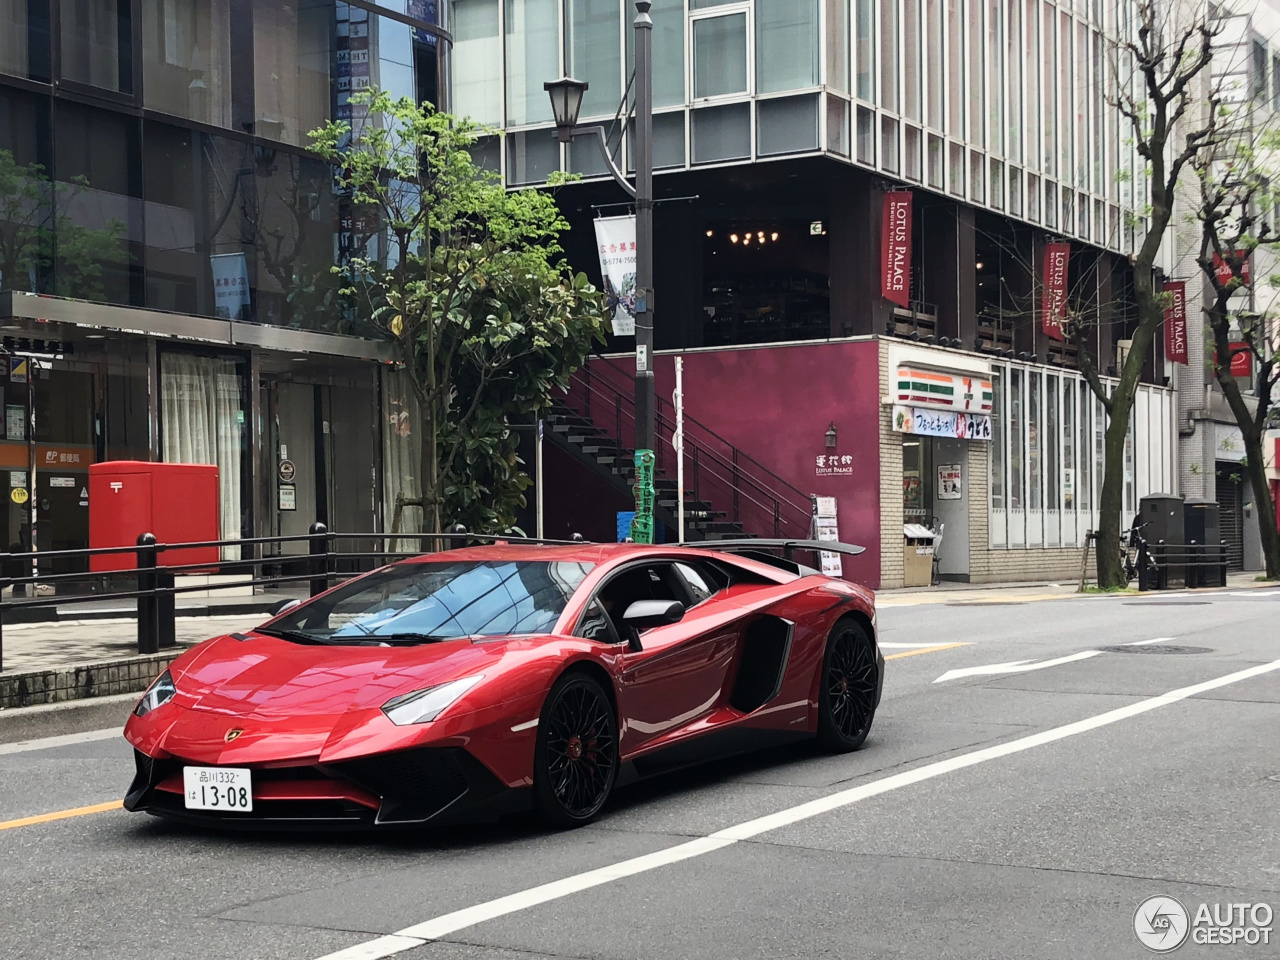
<point x="838" y="48"/>
<point x="933" y="63"/>
<point x="911" y="153"/>
<point x="532" y="45"/>
<point x="866" y="136"/>
<point x="957" y="169"/>
<point x="995" y="77"/>
<point x="186" y="59"/>
<point x="290" y="70"/>
<point x="97" y="43"/>
<point x="1049" y="91"/>
<point x="765" y="281"/>
<point x="24" y="39"/>
<point x="1275" y="77"/>
<point x="593" y="52"/>
<point x="787" y="125"/>
<point x="477" y="55"/>
<point x="955" y="69"/>
<point x="890" y="56"/>
<point x="889" y="143"/>
<point x="1065" y="91"/>
<point x="976" y="79"/>
<point x="917" y="485"/>
<point x="720" y="55"/>
<point x="937" y="163"/>
<point x="722" y="133"/>
<point x="865" y="48"/>
<point x="1052" y="476"/>
<point x="838" y="125"/>
<point x="912" y="76"/>
<point x="532" y="156"/>
<point x="1015" y="55"/>
<point x="786" y="45"/>
<point x="1259" y="71"/>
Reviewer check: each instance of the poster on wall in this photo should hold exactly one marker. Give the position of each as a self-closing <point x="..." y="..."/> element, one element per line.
<point x="826" y="528"/>
<point x="15" y="422"/>
<point x="949" y="482"/>
<point x="230" y="286"/>
<point x="288" y="496"/>
<point x="18" y="367"/>
<point x="616" y="239"/>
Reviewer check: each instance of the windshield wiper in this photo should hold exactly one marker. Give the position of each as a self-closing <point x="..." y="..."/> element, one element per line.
<point x="408" y="639"/>
<point x="297" y="636"/>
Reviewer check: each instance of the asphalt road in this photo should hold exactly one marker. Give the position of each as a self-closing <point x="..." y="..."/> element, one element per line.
<point x="1023" y="814"/>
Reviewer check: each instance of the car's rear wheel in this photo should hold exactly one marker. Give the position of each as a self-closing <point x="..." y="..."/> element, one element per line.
<point x="576" y="757"/>
<point x="847" y="687"/>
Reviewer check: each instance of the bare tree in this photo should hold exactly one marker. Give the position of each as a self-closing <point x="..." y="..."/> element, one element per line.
<point x="1171" y="122"/>
<point x="1235" y="206"/>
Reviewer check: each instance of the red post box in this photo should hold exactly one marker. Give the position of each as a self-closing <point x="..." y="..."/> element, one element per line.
<point x="178" y="502"/>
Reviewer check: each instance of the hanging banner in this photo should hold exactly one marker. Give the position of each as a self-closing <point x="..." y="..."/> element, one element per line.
<point x="1053" y="303"/>
<point x="616" y="237"/>
<point x="895" y="248"/>
<point x="1175" y="322"/>
<point x="230" y="286"/>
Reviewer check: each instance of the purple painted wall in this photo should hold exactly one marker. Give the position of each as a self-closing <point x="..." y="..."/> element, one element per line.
<point x="775" y="404"/>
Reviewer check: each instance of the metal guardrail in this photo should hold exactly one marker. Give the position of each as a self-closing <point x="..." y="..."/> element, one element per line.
<point x="156" y="588"/>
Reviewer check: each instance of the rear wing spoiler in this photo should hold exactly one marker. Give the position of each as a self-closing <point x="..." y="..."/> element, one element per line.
<point x="756" y="549"/>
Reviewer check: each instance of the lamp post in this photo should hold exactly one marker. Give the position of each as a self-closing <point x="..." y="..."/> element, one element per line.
<point x="566" y="103"/>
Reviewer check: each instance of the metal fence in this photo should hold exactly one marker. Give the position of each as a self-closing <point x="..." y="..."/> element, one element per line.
<point x="330" y="558"/>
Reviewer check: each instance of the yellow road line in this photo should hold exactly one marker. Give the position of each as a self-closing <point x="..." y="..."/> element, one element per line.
<point x="916" y="653"/>
<point x="61" y="815"/>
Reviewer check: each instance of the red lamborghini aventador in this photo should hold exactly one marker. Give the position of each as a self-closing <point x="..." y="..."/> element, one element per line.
<point x="477" y="681"/>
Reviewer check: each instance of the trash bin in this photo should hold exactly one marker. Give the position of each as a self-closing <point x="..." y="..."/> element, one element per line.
<point x="917" y="555"/>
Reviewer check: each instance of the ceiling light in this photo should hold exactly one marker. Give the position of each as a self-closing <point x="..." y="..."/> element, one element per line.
<point x="773" y="237"/>
<point x="711" y="233"/>
<point x="733" y="238"/>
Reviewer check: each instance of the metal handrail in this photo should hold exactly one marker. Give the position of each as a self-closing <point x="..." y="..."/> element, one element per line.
<point x="736" y="476"/>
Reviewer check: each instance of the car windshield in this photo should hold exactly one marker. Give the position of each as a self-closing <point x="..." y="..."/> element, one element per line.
<point x="425" y="602"/>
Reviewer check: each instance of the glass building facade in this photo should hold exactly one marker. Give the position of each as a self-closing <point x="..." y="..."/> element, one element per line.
<point x="155" y="180"/>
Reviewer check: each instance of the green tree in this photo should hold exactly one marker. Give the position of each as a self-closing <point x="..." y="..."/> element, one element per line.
<point x="1161" y="73"/>
<point x="39" y="240"/>
<point x="467" y="280"/>
<point x="1234" y="209"/>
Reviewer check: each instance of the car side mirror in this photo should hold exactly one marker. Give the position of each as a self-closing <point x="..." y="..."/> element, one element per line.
<point x="285" y="606"/>
<point x="644" y="614"/>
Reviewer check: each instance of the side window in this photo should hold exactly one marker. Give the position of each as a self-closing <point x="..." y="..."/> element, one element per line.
<point x="595" y="624"/>
<point x="704" y="581"/>
<point x="654" y="581"/>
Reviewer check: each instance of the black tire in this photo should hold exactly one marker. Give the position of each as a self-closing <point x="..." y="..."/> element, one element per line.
<point x="576" y="755"/>
<point x="847" y="688"/>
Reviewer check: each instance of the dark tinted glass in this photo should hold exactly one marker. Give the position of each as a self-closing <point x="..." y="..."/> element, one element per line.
<point x="442" y="600"/>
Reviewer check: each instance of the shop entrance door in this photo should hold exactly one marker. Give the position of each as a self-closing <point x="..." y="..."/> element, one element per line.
<point x="951" y="506"/>
<point x="291" y="471"/>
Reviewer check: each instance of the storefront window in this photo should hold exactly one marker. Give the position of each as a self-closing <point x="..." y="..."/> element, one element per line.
<point x="999" y="437"/>
<point x="1085" y="475"/>
<point x="1069" y="481"/>
<point x="917" y="490"/>
<point x="1034" y="477"/>
<point x="202" y="420"/>
<point x="1053" y="487"/>
<point x="1017" y="429"/>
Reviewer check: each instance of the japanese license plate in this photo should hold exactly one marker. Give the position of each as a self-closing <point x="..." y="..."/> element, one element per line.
<point x="217" y="788"/>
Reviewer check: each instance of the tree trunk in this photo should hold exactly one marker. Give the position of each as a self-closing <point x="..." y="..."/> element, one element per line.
<point x="1111" y="502"/>
<point x="1256" y="461"/>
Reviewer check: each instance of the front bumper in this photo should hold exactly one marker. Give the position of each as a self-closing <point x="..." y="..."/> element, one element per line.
<point x="401" y="789"/>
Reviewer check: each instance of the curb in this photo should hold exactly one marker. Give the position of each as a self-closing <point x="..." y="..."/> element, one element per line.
<point x="58" y="719"/>
<point x="85" y="682"/>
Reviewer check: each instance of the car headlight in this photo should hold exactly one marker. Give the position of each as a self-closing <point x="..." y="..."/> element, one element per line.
<point x="158" y="694"/>
<point x="425" y="705"/>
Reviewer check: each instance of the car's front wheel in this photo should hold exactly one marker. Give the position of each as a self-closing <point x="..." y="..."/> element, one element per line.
<point x="576" y="757"/>
<point x="847" y="687"/>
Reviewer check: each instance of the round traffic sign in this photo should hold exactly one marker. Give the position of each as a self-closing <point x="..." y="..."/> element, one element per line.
<point x="287" y="471"/>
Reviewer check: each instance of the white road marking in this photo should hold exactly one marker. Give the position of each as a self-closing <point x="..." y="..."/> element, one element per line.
<point x="421" y="933"/>
<point x="1147" y="643"/>
<point x="525" y="726"/>
<point x="1254" y="593"/>
<point x="66" y="740"/>
<point x="1015" y="666"/>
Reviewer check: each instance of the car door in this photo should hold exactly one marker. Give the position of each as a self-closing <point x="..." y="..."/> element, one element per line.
<point x="679" y="674"/>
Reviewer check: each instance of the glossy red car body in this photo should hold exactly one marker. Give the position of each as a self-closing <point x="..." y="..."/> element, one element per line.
<point x="308" y="720"/>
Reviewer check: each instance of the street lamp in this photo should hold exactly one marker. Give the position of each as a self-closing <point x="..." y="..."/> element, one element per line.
<point x="566" y="103"/>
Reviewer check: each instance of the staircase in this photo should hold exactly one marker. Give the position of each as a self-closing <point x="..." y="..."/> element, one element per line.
<point x="728" y="494"/>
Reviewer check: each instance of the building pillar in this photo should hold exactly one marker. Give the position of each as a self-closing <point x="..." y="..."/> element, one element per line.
<point x="853" y="232"/>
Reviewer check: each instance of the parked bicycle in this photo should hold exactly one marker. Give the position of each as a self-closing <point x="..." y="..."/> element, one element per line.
<point x="1134" y="555"/>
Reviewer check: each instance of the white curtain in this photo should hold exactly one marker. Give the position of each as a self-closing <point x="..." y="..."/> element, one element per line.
<point x="201" y="419"/>
<point x="401" y="459"/>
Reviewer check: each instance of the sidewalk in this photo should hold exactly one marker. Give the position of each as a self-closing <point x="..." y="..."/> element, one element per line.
<point x="976" y="593"/>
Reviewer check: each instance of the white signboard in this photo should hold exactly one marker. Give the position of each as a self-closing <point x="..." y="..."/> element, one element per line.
<point x="68" y="482"/>
<point x="230" y="286"/>
<point x="288" y="496"/>
<point x="949" y="481"/>
<point x="827" y="529"/>
<point x="616" y="241"/>
<point x="941" y="423"/>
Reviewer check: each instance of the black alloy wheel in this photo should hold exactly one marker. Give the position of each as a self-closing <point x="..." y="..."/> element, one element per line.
<point x="576" y="757"/>
<point x="847" y="690"/>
